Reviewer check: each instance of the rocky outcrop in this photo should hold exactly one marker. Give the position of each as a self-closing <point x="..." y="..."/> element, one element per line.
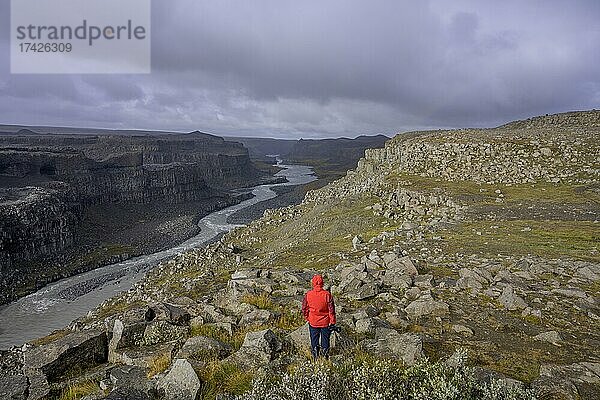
<point x="259" y="348"/>
<point x="407" y="347"/>
<point x="14" y="384"/>
<point x="33" y="222"/>
<point x="52" y="362"/>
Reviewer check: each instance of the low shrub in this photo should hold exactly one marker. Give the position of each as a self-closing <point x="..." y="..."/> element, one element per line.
<point x="379" y="379"/>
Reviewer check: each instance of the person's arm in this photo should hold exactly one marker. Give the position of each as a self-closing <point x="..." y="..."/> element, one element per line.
<point x="305" y="309"/>
<point x="331" y="309"/>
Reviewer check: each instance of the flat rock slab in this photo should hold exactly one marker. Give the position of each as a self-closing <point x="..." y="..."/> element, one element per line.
<point x="87" y="348"/>
<point x="50" y="362"/>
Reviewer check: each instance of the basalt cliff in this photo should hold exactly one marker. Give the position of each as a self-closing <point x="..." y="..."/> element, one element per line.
<point x="51" y="185"/>
<point x="464" y="264"/>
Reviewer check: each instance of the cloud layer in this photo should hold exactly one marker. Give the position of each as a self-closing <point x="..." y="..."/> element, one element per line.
<point x="283" y="68"/>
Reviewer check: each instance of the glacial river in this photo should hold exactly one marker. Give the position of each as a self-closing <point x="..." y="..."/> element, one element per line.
<point x="59" y="303"/>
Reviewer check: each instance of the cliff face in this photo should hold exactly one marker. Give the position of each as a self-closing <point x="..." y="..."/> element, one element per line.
<point x="554" y="149"/>
<point x="34" y="222"/>
<point x="220" y="163"/>
<point x="50" y="180"/>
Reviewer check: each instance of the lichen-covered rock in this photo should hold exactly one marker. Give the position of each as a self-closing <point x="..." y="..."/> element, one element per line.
<point x="569" y="382"/>
<point x="510" y="300"/>
<point x="202" y="347"/>
<point x="181" y="382"/>
<point x="257" y="317"/>
<point x="426" y="308"/>
<point x="124" y="335"/>
<point x="407" y="347"/>
<point x="14" y="385"/>
<point x="550" y="337"/>
<point x="129" y="382"/>
<point x="163" y="331"/>
<point x="259" y="348"/>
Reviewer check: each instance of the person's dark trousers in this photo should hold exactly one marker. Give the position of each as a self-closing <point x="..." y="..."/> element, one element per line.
<point x="319" y="339"/>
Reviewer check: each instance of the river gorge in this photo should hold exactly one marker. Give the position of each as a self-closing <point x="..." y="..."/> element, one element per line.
<point x="55" y="305"/>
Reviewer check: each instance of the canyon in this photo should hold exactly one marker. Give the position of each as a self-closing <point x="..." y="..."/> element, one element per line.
<point x="57" y="192"/>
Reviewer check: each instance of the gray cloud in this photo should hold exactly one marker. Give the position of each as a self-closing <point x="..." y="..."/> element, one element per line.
<point x="342" y="67"/>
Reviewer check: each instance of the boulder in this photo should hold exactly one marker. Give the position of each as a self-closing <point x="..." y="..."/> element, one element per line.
<point x="367" y="326"/>
<point x="364" y="291"/>
<point x="246" y="274"/>
<point x="356" y="242"/>
<point x="177" y="315"/>
<point x="403" y="265"/>
<point x="357" y="283"/>
<point x="163" y="331"/>
<point x="510" y="300"/>
<point x="51" y="362"/>
<point x="257" y="317"/>
<point x="13" y="386"/>
<point x="407" y="347"/>
<point x="123" y="336"/>
<point x="550" y="337"/>
<point x="13" y="382"/>
<point x="426" y="308"/>
<point x="181" y="382"/>
<point x="397" y="281"/>
<point x="259" y="348"/>
<point x="397" y="320"/>
<point x="413" y="293"/>
<point x="145" y="356"/>
<point x="590" y="273"/>
<point x="423" y="282"/>
<point x="202" y="347"/>
<point x="129" y="382"/>
<point x="572" y="381"/>
<point x="471" y="279"/>
<point x="210" y="313"/>
<point x="462" y="330"/>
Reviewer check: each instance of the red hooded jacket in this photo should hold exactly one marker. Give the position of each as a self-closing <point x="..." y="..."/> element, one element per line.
<point x="318" y="307"/>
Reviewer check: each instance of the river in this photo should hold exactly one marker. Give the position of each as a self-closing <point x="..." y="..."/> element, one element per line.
<point x="59" y="303"/>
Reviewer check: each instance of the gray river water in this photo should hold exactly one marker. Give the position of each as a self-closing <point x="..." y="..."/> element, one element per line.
<point x="59" y="303"/>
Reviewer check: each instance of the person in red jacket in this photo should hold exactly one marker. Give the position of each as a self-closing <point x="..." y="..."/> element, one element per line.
<point x="318" y="309"/>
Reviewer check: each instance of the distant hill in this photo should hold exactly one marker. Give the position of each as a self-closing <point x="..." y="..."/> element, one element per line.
<point x="331" y="158"/>
<point x="69" y="130"/>
<point x="342" y="151"/>
<point x="261" y="147"/>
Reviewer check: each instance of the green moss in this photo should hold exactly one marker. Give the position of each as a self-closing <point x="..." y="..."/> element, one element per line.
<point x="541" y="192"/>
<point x="79" y="390"/>
<point x="315" y="238"/>
<point x="50" y="338"/>
<point x="235" y="340"/>
<point x="117" y="307"/>
<point x="224" y="378"/>
<point x="262" y="301"/>
<point x="547" y="239"/>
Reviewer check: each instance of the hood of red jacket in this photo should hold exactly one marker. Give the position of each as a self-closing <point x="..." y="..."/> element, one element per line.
<point x="317" y="281"/>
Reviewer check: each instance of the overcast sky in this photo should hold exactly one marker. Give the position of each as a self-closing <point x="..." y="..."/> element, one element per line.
<point x="314" y="68"/>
